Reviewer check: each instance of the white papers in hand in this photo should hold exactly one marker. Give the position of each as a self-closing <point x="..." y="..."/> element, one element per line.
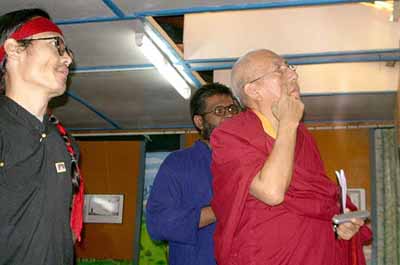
<point x="343" y="185"/>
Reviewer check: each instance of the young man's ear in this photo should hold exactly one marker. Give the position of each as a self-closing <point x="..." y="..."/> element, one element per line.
<point x="198" y="121"/>
<point x="12" y="48"/>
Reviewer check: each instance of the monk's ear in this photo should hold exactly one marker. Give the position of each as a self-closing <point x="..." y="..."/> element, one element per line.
<point x="251" y="91"/>
<point x="12" y="48"/>
<point x="198" y="121"/>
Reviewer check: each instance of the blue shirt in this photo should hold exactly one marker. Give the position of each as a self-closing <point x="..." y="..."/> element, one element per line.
<point x="183" y="185"/>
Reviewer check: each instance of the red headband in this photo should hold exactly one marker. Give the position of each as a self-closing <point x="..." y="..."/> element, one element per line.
<point x="32" y="27"/>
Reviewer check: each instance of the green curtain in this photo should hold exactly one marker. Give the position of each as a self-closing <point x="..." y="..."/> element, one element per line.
<point x="386" y="199"/>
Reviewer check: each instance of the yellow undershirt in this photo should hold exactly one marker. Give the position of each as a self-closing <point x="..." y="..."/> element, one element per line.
<point x="268" y="129"/>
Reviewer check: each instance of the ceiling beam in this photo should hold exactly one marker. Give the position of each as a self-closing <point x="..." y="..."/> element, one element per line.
<point x="76" y="97"/>
<point x="114" y="8"/>
<point x="120" y="15"/>
<point x="112" y="68"/>
<point x="245" y="6"/>
<point x="386" y="55"/>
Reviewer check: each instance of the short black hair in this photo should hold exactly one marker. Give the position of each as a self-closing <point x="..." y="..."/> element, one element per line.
<point x="198" y="100"/>
<point x="9" y="23"/>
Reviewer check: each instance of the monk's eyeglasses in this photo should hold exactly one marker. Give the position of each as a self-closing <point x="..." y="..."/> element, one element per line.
<point x="279" y="69"/>
<point x="221" y="111"/>
<point x="58" y="44"/>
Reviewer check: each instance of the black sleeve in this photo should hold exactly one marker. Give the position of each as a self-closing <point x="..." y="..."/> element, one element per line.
<point x="1" y="149"/>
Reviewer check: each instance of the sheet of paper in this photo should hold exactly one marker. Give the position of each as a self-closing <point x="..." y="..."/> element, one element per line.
<point x="343" y="185"/>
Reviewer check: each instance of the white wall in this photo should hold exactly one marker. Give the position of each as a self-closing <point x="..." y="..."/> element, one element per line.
<point x="339" y="77"/>
<point x="297" y="30"/>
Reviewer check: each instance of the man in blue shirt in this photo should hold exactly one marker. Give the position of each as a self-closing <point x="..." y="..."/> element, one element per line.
<point x="178" y="208"/>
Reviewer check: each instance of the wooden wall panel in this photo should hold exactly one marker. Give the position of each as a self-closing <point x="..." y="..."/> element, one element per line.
<point x="190" y="138"/>
<point x="111" y="167"/>
<point x="348" y="150"/>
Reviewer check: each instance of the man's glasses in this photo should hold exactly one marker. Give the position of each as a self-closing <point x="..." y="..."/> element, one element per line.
<point x="280" y="69"/>
<point x="58" y="44"/>
<point x="221" y="111"/>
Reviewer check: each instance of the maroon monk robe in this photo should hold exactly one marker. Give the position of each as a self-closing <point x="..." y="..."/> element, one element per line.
<point x="298" y="231"/>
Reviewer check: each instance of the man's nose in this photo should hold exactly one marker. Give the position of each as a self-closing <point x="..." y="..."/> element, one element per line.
<point x="67" y="59"/>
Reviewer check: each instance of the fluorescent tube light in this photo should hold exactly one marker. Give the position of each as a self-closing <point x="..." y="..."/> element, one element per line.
<point x="166" y="69"/>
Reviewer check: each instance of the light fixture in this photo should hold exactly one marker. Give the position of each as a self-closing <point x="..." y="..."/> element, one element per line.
<point x="388" y="5"/>
<point x="392" y="6"/>
<point x="384" y="5"/>
<point x="159" y="54"/>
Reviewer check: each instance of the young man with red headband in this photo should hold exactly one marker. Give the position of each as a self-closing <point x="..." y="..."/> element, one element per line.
<point x="39" y="178"/>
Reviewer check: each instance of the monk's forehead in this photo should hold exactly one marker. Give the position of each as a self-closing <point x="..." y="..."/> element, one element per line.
<point x="266" y="60"/>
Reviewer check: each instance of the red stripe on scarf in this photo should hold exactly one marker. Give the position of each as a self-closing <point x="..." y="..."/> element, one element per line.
<point x="76" y="221"/>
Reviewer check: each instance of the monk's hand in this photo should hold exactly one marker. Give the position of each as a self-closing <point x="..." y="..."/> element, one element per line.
<point x="289" y="108"/>
<point x="347" y="230"/>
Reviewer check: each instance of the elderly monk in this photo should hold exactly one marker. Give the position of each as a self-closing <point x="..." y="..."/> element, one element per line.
<point x="272" y="198"/>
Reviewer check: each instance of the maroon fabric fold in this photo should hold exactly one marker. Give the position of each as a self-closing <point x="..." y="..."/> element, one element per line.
<point x="248" y="231"/>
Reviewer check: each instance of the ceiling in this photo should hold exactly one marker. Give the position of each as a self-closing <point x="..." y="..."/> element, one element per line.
<point x="114" y="87"/>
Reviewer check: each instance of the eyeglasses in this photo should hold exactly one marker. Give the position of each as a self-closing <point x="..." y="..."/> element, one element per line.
<point x="58" y="44"/>
<point x="280" y="69"/>
<point x="221" y="111"/>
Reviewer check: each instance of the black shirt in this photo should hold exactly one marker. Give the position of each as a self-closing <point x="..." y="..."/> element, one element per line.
<point x="35" y="190"/>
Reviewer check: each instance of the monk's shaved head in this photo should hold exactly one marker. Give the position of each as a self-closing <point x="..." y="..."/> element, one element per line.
<point x="248" y="67"/>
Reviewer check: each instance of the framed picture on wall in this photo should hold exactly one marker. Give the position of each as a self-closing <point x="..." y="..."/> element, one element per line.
<point x="103" y="208"/>
<point x="357" y="196"/>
